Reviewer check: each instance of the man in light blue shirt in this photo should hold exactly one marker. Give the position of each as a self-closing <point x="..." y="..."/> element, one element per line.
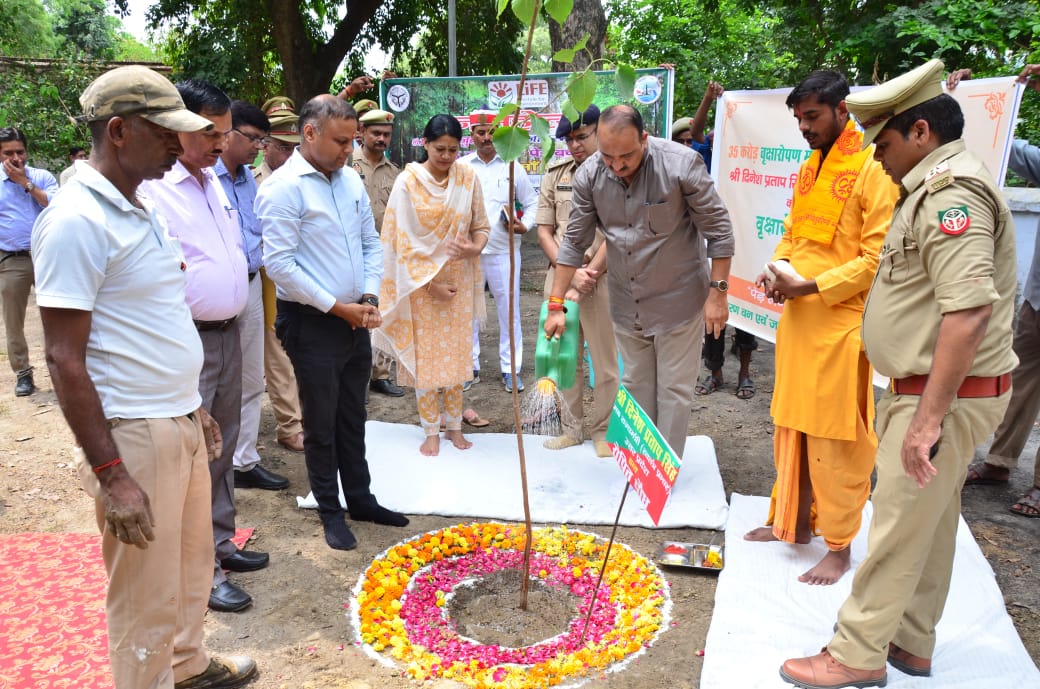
<point x="249" y="130"/>
<point x="24" y="192"/>
<point x="322" y="251"/>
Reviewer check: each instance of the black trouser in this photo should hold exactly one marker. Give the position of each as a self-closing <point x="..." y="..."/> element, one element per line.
<point x="332" y="362"/>
<point x="714" y="351"/>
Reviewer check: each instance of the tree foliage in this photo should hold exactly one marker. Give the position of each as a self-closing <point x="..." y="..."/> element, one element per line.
<point x="85" y="29"/>
<point x="25" y="30"/>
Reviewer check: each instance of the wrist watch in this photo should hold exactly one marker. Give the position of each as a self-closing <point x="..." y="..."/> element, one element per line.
<point x="29" y="186"/>
<point x="720" y="285"/>
<point x="374" y="301"/>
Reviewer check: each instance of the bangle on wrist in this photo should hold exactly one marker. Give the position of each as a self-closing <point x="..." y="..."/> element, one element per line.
<point x="553" y="306"/>
<point x="108" y="465"/>
<point x="556" y="300"/>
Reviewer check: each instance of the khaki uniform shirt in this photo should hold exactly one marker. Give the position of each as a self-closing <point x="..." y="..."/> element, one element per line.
<point x="656" y="230"/>
<point x="554" y="202"/>
<point x="950" y="247"/>
<point x="379" y="180"/>
<point x="262" y="172"/>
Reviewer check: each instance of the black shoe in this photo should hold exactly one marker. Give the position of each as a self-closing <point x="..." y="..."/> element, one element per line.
<point x="380" y="515"/>
<point x="25" y="387"/>
<point x="245" y="561"/>
<point x="259" y="477"/>
<point x="228" y="598"/>
<point x="385" y="387"/>
<point x="338" y="535"/>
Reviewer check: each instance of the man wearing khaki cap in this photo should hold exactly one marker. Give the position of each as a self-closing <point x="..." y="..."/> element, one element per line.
<point x="278" y="370"/>
<point x="378" y="173"/>
<point x="938" y="323"/>
<point x="125" y="359"/>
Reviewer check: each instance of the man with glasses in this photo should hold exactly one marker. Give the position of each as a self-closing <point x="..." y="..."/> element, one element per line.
<point x="663" y="220"/>
<point x="249" y="129"/>
<point x="198" y="213"/>
<point x="378" y="174"/>
<point x="589" y="286"/>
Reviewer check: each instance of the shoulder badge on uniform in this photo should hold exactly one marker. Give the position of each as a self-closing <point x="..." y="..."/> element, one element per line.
<point x="559" y="162"/>
<point x="939" y="177"/>
<point x="357" y="168"/>
<point x="954" y="221"/>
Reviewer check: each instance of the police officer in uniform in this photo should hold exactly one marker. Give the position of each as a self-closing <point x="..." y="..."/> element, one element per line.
<point x="378" y="175"/>
<point x="938" y="323"/>
<point x="589" y="287"/>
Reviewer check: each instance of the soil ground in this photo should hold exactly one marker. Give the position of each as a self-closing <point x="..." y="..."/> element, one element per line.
<point x="297" y="629"/>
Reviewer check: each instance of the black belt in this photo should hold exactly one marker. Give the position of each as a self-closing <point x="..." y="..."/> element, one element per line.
<point x="4" y="255"/>
<point x="252" y="275"/>
<point x="202" y="326"/>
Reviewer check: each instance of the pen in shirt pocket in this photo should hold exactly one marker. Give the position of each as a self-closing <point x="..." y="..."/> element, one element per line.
<point x="228" y="209"/>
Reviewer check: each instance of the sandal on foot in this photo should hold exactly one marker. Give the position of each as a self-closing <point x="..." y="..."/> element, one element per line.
<point x="982" y="474"/>
<point x="745" y="389"/>
<point x="472" y="418"/>
<point x="708" y="385"/>
<point x="1028" y="505"/>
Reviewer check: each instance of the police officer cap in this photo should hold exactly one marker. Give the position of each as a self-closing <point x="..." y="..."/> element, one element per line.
<point x="365" y="105"/>
<point x="281" y="112"/>
<point x="681" y="125"/>
<point x="873" y="108"/>
<point x="377" y="117"/>
<point x="590" y="116"/>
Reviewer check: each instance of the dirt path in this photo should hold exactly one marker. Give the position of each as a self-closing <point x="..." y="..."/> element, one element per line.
<point x="297" y="629"/>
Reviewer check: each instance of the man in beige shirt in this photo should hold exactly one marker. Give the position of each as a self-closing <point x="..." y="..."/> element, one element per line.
<point x="657" y="207"/>
<point x="378" y="173"/>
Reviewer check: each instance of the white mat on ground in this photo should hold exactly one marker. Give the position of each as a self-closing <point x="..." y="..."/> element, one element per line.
<point x="763" y="615"/>
<point x="571" y="486"/>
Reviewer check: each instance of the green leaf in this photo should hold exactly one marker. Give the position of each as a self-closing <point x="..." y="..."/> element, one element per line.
<point x="507" y="110"/>
<point x="580" y="45"/>
<point x="502" y="5"/>
<point x="625" y="78"/>
<point x="564" y="55"/>
<point x="540" y="128"/>
<point x="569" y="111"/>
<point x="511" y="142"/>
<point x="524" y="10"/>
<point x="581" y="89"/>
<point x="559" y="9"/>
<point x="548" y="150"/>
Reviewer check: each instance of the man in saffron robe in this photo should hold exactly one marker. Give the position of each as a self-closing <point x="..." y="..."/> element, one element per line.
<point x="823" y="403"/>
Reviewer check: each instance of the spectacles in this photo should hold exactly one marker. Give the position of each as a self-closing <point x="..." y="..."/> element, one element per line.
<point x="253" y="139"/>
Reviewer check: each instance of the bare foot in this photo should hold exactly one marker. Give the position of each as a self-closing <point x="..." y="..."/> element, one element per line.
<point x="828" y="570"/>
<point x="458" y="440"/>
<point x="762" y="534"/>
<point x="431" y="447"/>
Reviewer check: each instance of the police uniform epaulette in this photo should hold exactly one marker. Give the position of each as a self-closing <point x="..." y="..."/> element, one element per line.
<point x="559" y="162"/>
<point x="939" y="177"/>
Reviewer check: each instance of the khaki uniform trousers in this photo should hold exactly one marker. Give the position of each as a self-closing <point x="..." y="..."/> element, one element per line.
<point x="598" y="331"/>
<point x="278" y="371"/>
<point x="1013" y="431"/>
<point x="16" y="280"/>
<point x="661" y="372"/>
<point x="899" y="590"/>
<point x="157" y="596"/>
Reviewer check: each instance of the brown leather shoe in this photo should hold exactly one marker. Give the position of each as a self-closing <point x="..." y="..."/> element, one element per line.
<point x="907" y="662"/>
<point x="223" y="673"/>
<point x="822" y="671"/>
<point x="293" y="442"/>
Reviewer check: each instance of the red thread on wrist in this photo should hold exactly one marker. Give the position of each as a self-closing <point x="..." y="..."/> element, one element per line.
<point x="553" y="306"/>
<point x="108" y="465"/>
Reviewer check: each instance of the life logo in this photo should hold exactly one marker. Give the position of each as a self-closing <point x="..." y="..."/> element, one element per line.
<point x="647" y="89"/>
<point x="501" y="93"/>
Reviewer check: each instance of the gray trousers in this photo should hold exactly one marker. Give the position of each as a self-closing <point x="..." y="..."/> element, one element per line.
<point x="220" y="385"/>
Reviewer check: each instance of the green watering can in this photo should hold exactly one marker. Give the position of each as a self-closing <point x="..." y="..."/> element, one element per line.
<point x="557" y="358"/>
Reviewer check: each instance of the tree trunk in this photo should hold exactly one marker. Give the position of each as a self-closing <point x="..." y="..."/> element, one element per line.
<point x="309" y="67"/>
<point x="587" y="17"/>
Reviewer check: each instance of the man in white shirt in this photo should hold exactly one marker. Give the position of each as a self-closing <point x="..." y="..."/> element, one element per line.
<point x="322" y="251"/>
<point x="493" y="173"/>
<point x="125" y="360"/>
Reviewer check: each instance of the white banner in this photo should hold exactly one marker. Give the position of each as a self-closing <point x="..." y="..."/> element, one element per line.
<point x="758" y="150"/>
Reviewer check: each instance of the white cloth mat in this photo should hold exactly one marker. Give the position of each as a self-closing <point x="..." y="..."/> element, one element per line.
<point x="571" y="486"/>
<point x="764" y="615"/>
